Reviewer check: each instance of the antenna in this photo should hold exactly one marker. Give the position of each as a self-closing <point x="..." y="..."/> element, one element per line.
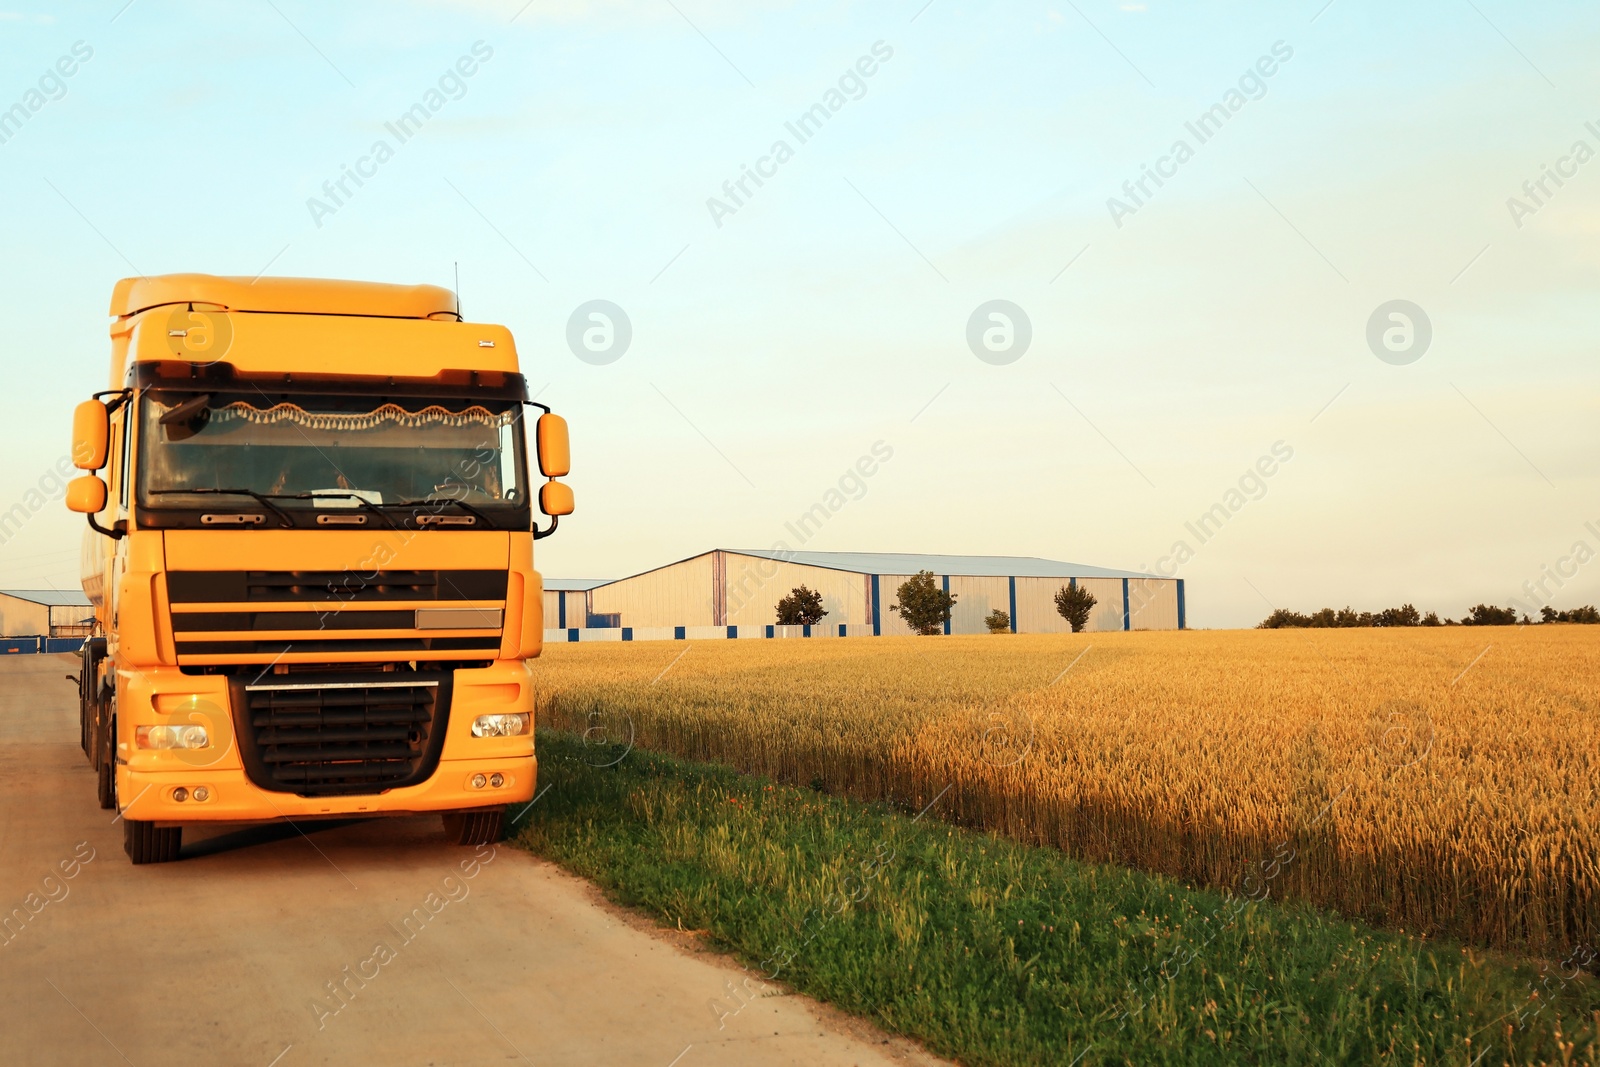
<point x="458" y="292"/>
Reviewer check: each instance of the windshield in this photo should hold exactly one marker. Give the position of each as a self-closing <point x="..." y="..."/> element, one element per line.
<point x="329" y="451"/>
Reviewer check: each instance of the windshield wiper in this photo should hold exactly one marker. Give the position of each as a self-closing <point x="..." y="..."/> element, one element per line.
<point x="462" y="504"/>
<point x="284" y="518"/>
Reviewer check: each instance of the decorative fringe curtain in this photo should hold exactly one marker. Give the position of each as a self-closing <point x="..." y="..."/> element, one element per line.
<point x="433" y="415"/>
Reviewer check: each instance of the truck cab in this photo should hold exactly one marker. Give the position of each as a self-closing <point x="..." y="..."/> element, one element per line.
<point x="311" y="516"/>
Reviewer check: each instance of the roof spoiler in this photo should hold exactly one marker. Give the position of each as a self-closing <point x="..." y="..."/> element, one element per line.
<point x="292" y="296"/>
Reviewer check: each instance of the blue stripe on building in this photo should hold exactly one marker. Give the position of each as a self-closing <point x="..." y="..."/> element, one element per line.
<point x="946" y="580"/>
<point x="771" y="630"/>
<point x="877" y="607"/>
<point x="12" y="646"/>
<point x="572" y="633"/>
<point x="1183" y="612"/>
<point x="679" y="633"/>
<point x="733" y="631"/>
<point x="561" y="610"/>
<point x="1127" y="615"/>
<point x="1013" y="582"/>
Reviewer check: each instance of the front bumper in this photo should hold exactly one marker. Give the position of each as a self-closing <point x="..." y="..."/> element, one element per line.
<point x="148" y="781"/>
<point x="233" y="798"/>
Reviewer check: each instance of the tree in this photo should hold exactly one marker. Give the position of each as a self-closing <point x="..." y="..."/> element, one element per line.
<point x="1404" y="615"/>
<point x="802" y="607"/>
<point x="1074" y="603"/>
<point x="998" y="622"/>
<point x="923" y="604"/>
<point x="1488" y="615"/>
<point x="1586" y="614"/>
<point x="1346" y="617"/>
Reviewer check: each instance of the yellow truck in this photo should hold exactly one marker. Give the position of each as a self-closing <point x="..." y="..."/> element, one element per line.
<point x="310" y="552"/>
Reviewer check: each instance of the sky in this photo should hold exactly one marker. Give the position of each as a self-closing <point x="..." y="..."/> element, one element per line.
<point x="1157" y="351"/>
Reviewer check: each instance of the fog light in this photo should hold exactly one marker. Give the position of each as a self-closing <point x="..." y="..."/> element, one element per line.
<point x="478" y="781"/>
<point x="201" y="793"/>
<point x="500" y="725"/>
<point x="165" y="737"/>
<point x="497" y="780"/>
<point x="180" y="794"/>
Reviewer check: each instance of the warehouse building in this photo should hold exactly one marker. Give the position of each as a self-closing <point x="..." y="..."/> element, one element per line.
<point x="44" y="613"/>
<point x="566" y="602"/>
<point x="740" y="588"/>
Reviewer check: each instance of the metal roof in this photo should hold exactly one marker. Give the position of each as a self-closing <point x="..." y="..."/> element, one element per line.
<point x="962" y="566"/>
<point x="573" y="585"/>
<point x="55" y="598"/>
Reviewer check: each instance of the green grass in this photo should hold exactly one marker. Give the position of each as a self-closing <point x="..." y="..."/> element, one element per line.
<point x="1000" y="953"/>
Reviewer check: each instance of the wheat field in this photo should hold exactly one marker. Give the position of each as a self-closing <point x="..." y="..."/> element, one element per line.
<point x="1440" y="782"/>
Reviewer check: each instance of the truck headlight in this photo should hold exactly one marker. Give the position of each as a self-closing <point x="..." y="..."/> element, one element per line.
<point x="171" y="737"/>
<point x="500" y="725"/>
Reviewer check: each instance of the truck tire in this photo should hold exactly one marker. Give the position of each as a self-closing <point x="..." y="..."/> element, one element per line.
<point x="104" y="782"/>
<point x="90" y="655"/>
<point x="105" y="765"/>
<point x="482" y="826"/>
<point x="85" y="727"/>
<point x="144" y="843"/>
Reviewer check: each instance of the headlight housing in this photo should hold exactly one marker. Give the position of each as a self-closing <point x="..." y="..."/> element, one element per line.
<point x="167" y="737"/>
<point x="501" y="725"/>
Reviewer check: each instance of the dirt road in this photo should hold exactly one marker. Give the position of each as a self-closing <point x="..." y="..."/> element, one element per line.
<point x="355" y="943"/>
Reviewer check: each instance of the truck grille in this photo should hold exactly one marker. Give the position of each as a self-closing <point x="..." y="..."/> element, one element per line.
<point x="280" y="587"/>
<point x="257" y="616"/>
<point x="339" y="736"/>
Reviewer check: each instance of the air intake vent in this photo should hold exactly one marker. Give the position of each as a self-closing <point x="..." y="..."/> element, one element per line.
<point x="336" y="735"/>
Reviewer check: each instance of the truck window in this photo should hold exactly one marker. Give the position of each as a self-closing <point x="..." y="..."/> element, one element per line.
<point x="124" y="423"/>
<point x="325" y="452"/>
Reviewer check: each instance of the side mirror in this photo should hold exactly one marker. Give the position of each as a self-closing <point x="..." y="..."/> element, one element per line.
<point x="91" y="430"/>
<point x="87" y="495"/>
<point x="555" y="451"/>
<point x="555" y="499"/>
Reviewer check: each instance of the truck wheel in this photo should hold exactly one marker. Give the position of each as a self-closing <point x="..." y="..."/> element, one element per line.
<point x="91" y="654"/>
<point x="105" y="765"/>
<point x="144" y="843"/>
<point x="104" y="782"/>
<point x="483" y="826"/>
<point x="85" y="728"/>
